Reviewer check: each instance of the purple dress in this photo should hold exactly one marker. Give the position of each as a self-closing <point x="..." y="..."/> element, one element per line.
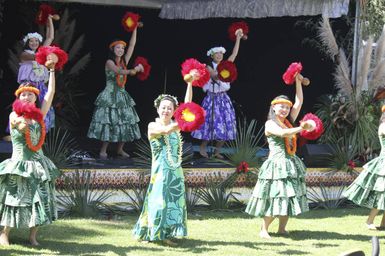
<point x="33" y="72"/>
<point x="220" y="122"/>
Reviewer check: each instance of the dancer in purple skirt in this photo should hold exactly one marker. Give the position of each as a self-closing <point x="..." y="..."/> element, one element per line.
<point x="220" y="122"/>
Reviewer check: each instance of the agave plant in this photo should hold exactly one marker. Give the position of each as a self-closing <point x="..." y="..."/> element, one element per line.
<point x="79" y="196"/>
<point x="144" y="154"/>
<point x="326" y="197"/>
<point x="246" y="145"/>
<point x="192" y="198"/>
<point x="344" y="150"/>
<point x="59" y="146"/>
<point x="217" y="193"/>
<point x="135" y="193"/>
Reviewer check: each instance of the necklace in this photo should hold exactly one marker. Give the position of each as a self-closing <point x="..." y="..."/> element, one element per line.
<point x="121" y="79"/>
<point x="169" y="159"/>
<point x="28" y="140"/>
<point x="291" y="146"/>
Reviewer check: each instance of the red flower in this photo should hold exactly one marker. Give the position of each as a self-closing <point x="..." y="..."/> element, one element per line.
<point x="189" y="116"/>
<point x="291" y="72"/>
<point x="351" y="164"/>
<point x="130" y="21"/>
<point x="190" y="66"/>
<point x="227" y="71"/>
<point x="44" y="51"/>
<point x="42" y="15"/>
<point x="146" y="68"/>
<point x="243" y="167"/>
<point x="319" y="128"/>
<point x="235" y="26"/>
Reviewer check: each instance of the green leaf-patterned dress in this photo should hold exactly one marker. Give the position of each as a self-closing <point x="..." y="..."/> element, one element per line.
<point x="368" y="189"/>
<point x="27" y="184"/>
<point x="164" y="213"/>
<point x="281" y="188"/>
<point x="114" y="118"/>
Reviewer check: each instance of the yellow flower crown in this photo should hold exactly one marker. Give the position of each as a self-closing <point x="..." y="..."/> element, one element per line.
<point x="282" y="101"/>
<point x="117" y="42"/>
<point x="27" y="89"/>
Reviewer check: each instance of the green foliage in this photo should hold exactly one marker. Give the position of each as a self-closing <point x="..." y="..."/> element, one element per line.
<point x="343" y="150"/>
<point x="80" y="197"/>
<point x="373" y="17"/>
<point x="246" y="145"/>
<point x="217" y="192"/>
<point x="59" y="146"/>
<point x="136" y="193"/>
<point x="192" y="198"/>
<point x="326" y="197"/>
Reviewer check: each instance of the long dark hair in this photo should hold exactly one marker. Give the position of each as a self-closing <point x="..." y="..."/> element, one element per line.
<point x="26" y="45"/>
<point x="271" y="115"/>
<point x="111" y="55"/>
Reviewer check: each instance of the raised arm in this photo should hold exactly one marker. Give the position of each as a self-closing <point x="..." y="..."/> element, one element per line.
<point x="236" y="47"/>
<point x="131" y="46"/>
<point x="155" y="129"/>
<point x="298" y="98"/>
<point x="131" y="72"/>
<point x="46" y="104"/>
<point x="50" y="33"/>
<point x="189" y="93"/>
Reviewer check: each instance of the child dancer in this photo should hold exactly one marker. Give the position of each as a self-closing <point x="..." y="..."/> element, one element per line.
<point x="280" y="191"/>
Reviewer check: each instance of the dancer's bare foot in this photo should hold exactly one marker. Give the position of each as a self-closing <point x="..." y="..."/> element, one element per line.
<point x="264" y="234"/>
<point x="371" y="226"/>
<point x="169" y="242"/>
<point x="219" y="156"/>
<point x="283" y="232"/>
<point x="33" y="242"/>
<point x="123" y="154"/>
<point x="103" y="156"/>
<point x="4" y="239"/>
<point x="204" y="154"/>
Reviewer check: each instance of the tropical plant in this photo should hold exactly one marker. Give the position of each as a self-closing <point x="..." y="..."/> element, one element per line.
<point x="372" y="16"/>
<point x="246" y="145"/>
<point x="326" y="197"/>
<point x="136" y="193"/>
<point x="59" y="146"/>
<point x="192" y="198"/>
<point x="217" y="193"/>
<point x="144" y="154"/>
<point x="344" y="151"/>
<point x="80" y="197"/>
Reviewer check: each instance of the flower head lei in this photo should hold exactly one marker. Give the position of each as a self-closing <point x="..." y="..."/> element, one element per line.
<point x="33" y="35"/>
<point x="215" y="50"/>
<point x="161" y="97"/>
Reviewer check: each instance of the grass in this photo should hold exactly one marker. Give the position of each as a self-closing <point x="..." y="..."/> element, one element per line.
<point x="318" y="232"/>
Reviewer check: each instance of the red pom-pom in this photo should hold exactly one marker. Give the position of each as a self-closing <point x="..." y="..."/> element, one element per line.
<point x="319" y="128"/>
<point x="189" y="116"/>
<point x="146" y="68"/>
<point x="42" y="15"/>
<point x="28" y="110"/>
<point x="291" y="72"/>
<point x="235" y="26"/>
<point x="44" y="51"/>
<point x="130" y="21"/>
<point x="227" y="71"/>
<point x="202" y="74"/>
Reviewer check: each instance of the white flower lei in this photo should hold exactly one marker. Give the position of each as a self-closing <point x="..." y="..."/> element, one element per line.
<point x="169" y="159"/>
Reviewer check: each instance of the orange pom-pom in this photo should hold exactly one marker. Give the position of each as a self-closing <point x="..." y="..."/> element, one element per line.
<point x="130" y="21"/>
<point x="227" y="71"/>
<point x="189" y="116"/>
<point x="193" y="69"/>
<point x="318" y="130"/>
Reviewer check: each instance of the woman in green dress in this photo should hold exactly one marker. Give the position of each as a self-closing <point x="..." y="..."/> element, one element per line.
<point x="164" y="213"/>
<point x="27" y="179"/>
<point x="115" y="118"/>
<point x="368" y="189"/>
<point x="280" y="191"/>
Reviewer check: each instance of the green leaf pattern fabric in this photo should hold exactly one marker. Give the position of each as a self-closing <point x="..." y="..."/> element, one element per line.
<point x="114" y="118"/>
<point x="280" y="188"/>
<point x="164" y="213"/>
<point x="27" y="184"/>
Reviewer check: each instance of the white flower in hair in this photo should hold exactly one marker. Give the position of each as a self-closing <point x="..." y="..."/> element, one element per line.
<point x="215" y="50"/>
<point x="33" y="35"/>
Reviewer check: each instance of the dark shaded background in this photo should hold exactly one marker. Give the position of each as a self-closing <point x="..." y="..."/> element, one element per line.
<point x="272" y="45"/>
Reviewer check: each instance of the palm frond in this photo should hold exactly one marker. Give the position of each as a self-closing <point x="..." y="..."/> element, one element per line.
<point x="76" y="47"/>
<point x="325" y="34"/>
<point x="80" y="65"/>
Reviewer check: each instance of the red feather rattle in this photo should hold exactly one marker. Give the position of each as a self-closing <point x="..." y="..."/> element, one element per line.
<point x="146" y="68"/>
<point x="195" y="72"/>
<point x="189" y="116"/>
<point x="316" y="123"/>
<point x="238" y="27"/>
<point x="130" y="21"/>
<point x="51" y="55"/>
<point x="44" y="11"/>
<point x="292" y="71"/>
<point x="227" y="71"/>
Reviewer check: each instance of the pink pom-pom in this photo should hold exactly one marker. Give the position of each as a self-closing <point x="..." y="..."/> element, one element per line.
<point x="291" y="72"/>
<point x="201" y="72"/>
<point x="318" y="130"/>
